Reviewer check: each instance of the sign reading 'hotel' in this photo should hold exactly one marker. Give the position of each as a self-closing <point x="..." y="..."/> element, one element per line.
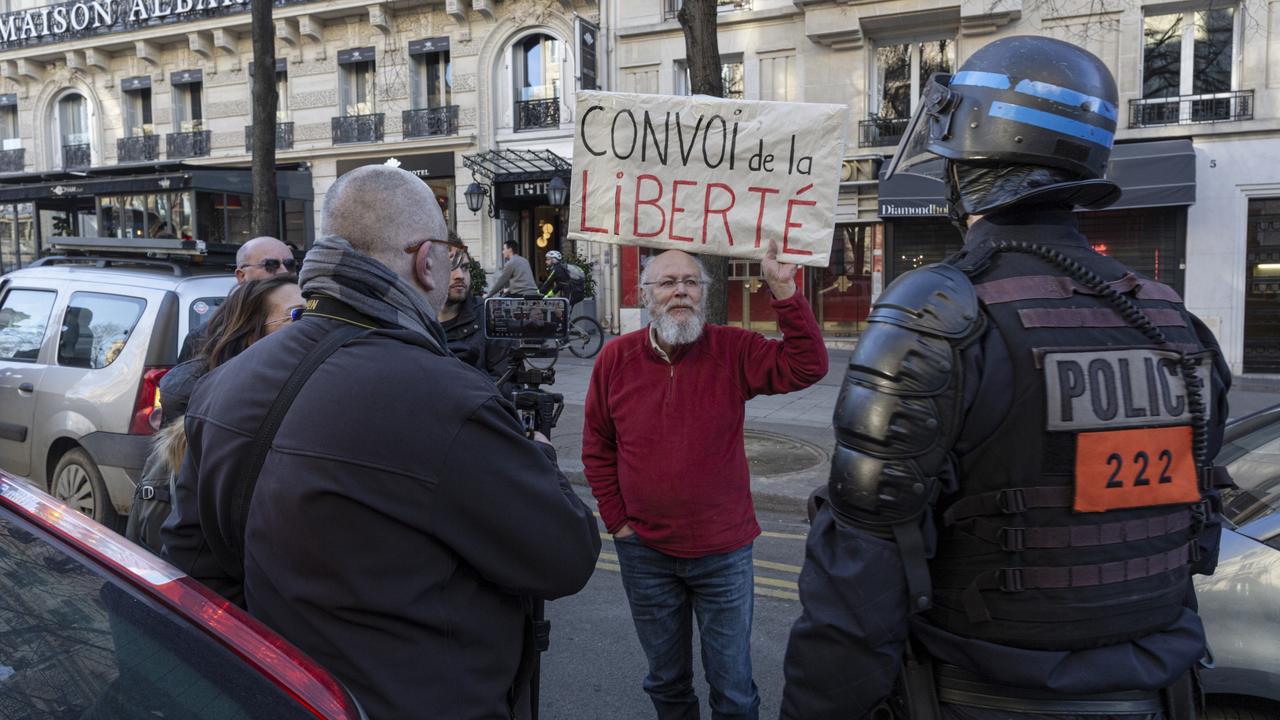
<point x="55" y="23"/>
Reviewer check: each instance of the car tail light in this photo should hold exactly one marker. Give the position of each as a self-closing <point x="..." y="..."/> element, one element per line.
<point x="285" y="665"/>
<point x="148" y="402"/>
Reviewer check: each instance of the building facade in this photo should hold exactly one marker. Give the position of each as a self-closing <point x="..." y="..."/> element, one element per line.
<point x="1199" y="132"/>
<point x="107" y="105"/>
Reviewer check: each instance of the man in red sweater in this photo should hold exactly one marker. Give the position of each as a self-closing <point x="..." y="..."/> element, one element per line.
<point x="663" y="450"/>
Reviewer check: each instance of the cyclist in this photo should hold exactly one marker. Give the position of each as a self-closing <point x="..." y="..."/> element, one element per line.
<point x="566" y="279"/>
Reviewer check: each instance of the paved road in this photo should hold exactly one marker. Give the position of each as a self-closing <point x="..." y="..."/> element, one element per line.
<point x="595" y="666"/>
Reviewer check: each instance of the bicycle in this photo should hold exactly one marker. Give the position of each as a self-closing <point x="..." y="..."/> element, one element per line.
<point x="584" y="340"/>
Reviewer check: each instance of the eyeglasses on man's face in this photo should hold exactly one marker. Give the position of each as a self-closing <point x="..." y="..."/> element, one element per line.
<point x="273" y="265"/>
<point x="690" y="284"/>
<point x="457" y="251"/>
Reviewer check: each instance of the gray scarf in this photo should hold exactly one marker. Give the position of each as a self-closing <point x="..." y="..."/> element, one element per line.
<point x="335" y="269"/>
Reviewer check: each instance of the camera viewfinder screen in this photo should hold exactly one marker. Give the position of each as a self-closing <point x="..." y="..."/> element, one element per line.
<point x="521" y="319"/>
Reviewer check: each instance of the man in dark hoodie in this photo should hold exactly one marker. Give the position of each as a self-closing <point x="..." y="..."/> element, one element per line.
<point x="463" y="320"/>
<point x="402" y="524"/>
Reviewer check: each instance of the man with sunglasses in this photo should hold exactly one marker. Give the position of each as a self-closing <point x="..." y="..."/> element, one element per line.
<point x="258" y="259"/>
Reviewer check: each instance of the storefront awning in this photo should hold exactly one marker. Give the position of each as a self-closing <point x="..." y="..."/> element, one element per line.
<point x="499" y="166"/>
<point x="293" y="181"/>
<point x="1151" y="174"/>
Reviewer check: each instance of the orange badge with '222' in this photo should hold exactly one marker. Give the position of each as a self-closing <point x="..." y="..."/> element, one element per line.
<point x="1134" y="468"/>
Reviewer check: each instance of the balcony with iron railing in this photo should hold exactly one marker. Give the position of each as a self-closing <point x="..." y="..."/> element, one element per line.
<point x="430" y="122"/>
<point x="879" y="132"/>
<point x="284" y="136"/>
<point x="13" y="160"/>
<point x="358" y="128"/>
<point x="537" y="114"/>
<point x="1231" y="106"/>
<point x="76" y="157"/>
<point x="194" y="143"/>
<point x="671" y="7"/>
<point x="138" y="148"/>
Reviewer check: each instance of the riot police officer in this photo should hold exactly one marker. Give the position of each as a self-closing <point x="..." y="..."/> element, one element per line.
<point x="1022" y="485"/>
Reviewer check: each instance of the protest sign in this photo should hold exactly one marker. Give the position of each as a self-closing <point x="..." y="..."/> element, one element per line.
<point x="707" y="175"/>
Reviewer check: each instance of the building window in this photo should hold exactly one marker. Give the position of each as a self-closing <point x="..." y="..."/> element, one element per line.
<point x="670" y="8"/>
<point x="188" y="107"/>
<point x="8" y="124"/>
<point x="731" y="77"/>
<point x="282" y="96"/>
<point x="1188" y="53"/>
<point x="900" y="71"/>
<point x="777" y="78"/>
<point x="432" y="80"/>
<point x="72" y="140"/>
<point x="537" y="68"/>
<point x="641" y="80"/>
<point x="357" y="83"/>
<point x="137" y="112"/>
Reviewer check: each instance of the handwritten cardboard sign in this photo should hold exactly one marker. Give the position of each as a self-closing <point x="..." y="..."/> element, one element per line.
<point x="707" y="175"/>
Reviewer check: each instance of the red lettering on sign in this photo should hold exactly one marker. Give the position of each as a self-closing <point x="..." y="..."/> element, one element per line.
<point x="585" y="226"/>
<point x="707" y="211"/>
<point x="676" y="210"/>
<point x="764" y="193"/>
<point x="654" y="202"/>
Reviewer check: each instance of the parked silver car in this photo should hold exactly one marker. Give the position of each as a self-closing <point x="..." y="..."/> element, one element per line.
<point x="1240" y="603"/>
<point x="83" y="345"/>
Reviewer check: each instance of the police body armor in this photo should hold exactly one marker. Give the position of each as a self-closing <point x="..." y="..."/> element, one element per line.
<point x="1074" y="525"/>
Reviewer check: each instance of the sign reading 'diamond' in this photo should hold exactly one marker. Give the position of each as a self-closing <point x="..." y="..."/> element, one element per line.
<point x="707" y="175"/>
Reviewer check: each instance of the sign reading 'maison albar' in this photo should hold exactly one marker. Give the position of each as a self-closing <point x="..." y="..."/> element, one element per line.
<point x="55" y="23"/>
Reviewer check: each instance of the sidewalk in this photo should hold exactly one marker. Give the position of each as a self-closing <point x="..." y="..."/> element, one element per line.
<point x="789" y="437"/>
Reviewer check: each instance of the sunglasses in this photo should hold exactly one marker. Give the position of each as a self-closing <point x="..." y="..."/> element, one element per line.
<point x="458" y="256"/>
<point x="271" y="265"/>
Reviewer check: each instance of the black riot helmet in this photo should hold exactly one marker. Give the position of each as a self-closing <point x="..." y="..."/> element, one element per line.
<point x="1024" y="103"/>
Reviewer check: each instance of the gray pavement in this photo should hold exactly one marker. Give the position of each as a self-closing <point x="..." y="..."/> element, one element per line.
<point x="790" y="437"/>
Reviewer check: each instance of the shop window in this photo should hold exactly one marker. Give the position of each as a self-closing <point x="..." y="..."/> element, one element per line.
<point x="357" y="83"/>
<point x="778" y="78"/>
<point x="146" y="215"/>
<point x="731" y="77"/>
<point x="900" y="72"/>
<point x="910" y="244"/>
<point x="1151" y="241"/>
<point x="432" y="80"/>
<point x="137" y="112"/>
<point x="188" y="107"/>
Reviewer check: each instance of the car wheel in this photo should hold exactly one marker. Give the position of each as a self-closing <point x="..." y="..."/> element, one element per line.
<point x="78" y="482"/>
<point x="1240" y="708"/>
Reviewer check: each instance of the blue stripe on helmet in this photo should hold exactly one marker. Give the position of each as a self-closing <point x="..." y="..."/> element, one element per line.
<point x="981" y="79"/>
<point x="1049" y="121"/>
<point x="1067" y="96"/>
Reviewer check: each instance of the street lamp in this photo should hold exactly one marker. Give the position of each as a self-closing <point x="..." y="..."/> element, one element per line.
<point x="557" y="191"/>
<point x="475" y="195"/>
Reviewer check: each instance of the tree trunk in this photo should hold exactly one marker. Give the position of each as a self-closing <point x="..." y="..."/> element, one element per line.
<point x="702" y="55"/>
<point x="265" y="218"/>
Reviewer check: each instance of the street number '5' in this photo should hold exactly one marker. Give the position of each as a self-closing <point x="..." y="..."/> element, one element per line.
<point x="1143" y="461"/>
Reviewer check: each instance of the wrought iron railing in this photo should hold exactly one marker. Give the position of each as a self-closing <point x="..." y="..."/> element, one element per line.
<point x="76" y="156"/>
<point x="878" y="131"/>
<point x="671" y="7"/>
<point x="138" y="148"/>
<point x="1192" y="109"/>
<point x="533" y="114"/>
<point x="358" y="128"/>
<point x="12" y="160"/>
<point x="187" y="144"/>
<point x="426" y="122"/>
<point x="284" y="136"/>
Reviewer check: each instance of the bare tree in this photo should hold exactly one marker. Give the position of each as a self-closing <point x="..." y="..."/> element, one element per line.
<point x="702" y="57"/>
<point x="265" y="218"/>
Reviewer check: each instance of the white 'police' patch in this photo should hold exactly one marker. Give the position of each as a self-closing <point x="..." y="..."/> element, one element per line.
<point x="1107" y="389"/>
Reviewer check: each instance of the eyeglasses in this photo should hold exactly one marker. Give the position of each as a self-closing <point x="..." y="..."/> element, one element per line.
<point x="457" y="258"/>
<point x="669" y="284"/>
<point x="271" y="265"/>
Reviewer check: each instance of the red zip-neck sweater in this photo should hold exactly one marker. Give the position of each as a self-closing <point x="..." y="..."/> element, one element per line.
<point x="662" y="441"/>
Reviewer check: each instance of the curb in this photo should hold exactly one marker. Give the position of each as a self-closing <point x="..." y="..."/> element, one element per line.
<point x="774" y="502"/>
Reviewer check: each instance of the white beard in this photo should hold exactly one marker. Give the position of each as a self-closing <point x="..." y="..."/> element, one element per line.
<point x="678" y="332"/>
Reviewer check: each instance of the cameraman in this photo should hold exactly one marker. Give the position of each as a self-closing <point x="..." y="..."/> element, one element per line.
<point x="463" y="320"/>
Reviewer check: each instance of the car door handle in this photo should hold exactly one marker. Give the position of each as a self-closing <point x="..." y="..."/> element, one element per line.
<point x="26" y="388"/>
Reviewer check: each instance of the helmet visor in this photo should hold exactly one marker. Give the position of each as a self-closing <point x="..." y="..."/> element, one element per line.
<point x="931" y="121"/>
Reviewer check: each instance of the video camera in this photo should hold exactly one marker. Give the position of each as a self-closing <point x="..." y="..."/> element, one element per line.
<point x="539" y="325"/>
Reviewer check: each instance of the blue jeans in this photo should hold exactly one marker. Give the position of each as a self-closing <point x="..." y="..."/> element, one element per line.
<point x="665" y="592"/>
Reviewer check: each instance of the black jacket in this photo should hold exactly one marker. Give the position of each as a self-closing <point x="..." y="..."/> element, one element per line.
<point x="400" y="521"/>
<point x="468" y="343"/>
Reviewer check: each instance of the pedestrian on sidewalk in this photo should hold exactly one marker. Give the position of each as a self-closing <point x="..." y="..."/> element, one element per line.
<point x="663" y="450"/>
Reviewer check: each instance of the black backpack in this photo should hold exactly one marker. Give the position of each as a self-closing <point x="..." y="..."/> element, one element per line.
<point x="151" y="501"/>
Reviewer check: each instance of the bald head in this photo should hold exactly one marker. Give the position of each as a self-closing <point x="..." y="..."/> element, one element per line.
<point x="252" y="256"/>
<point x="675" y="263"/>
<point x="381" y="211"/>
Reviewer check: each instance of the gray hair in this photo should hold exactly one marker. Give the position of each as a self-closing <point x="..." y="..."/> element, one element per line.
<point x="380" y="210"/>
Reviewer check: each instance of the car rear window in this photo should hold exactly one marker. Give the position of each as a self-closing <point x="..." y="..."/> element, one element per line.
<point x="96" y="328"/>
<point x="77" y="643"/>
<point x="1256" y="474"/>
<point x="202" y="309"/>
<point x="24" y="315"/>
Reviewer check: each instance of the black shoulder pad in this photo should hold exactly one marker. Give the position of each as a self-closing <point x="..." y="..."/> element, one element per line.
<point x="936" y="299"/>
